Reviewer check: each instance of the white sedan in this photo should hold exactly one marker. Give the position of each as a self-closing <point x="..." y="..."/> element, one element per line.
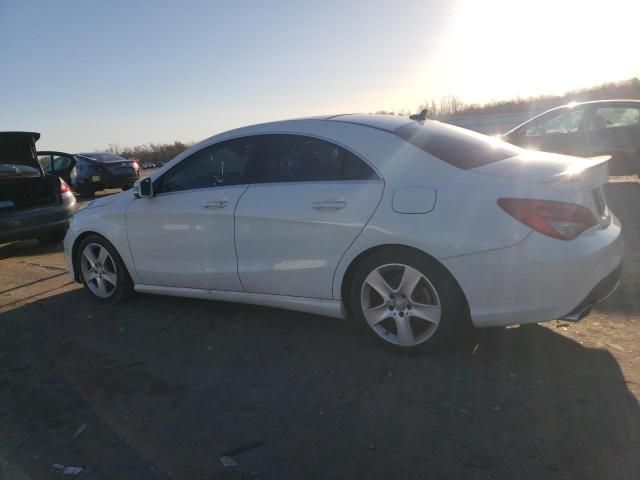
<point x="411" y="229"/>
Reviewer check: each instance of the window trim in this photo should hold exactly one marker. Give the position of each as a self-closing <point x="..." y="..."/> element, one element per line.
<point x="159" y="179"/>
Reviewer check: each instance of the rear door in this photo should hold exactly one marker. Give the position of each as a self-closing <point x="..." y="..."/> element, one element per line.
<point x="308" y="201"/>
<point x="615" y="130"/>
<point x="557" y="131"/>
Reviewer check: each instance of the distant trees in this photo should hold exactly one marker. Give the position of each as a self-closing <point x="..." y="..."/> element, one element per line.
<point x="150" y="153"/>
<point x="451" y="106"/>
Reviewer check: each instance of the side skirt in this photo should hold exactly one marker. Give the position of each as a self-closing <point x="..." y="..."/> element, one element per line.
<point x="329" y="308"/>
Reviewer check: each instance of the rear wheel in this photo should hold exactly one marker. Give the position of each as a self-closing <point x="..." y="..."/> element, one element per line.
<point x="102" y="271"/>
<point x="407" y="301"/>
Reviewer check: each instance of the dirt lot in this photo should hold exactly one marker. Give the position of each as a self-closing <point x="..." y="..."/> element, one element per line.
<point x="162" y="387"/>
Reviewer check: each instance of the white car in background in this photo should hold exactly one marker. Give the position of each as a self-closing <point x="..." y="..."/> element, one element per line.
<point x="410" y="228"/>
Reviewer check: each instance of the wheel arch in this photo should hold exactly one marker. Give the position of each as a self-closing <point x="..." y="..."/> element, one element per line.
<point x="76" y="245"/>
<point x="362" y="256"/>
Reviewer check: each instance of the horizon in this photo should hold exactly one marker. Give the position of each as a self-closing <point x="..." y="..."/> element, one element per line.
<point x="90" y="74"/>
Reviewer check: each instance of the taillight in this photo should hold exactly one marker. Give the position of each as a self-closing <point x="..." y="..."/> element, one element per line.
<point x="561" y="220"/>
<point x="64" y="187"/>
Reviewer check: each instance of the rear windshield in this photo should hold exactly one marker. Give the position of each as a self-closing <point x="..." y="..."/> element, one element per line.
<point x="104" y="157"/>
<point x="457" y="146"/>
<point x="17" y="159"/>
<point x="17" y="170"/>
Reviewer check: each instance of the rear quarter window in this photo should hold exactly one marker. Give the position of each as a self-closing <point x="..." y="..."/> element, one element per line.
<point x="456" y="146"/>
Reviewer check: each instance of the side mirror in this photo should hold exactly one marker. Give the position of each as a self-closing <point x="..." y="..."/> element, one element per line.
<point x="143" y="188"/>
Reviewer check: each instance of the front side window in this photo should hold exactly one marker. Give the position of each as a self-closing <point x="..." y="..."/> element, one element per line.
<point x="297" y="158"/>
<point x="561" y="123"/>
<point x="222" y="164"/>
<point x="61" y="162"/>
<point x="611" y="117"/>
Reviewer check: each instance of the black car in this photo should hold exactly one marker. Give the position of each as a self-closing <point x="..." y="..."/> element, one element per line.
<point x="33" y="204"/>
<point x="57" y="163"/>
<point x="589" y="129"/>
<point x="98" y="171"/>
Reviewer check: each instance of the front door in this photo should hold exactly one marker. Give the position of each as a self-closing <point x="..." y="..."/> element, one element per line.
<point x="309" y="201"/>
<point x="183" y="236"/>
<point x="57" y="163"/>
<point x="558" y="132"/>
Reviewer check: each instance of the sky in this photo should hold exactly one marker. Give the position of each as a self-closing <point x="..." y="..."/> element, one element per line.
<point x="88" y="73"/>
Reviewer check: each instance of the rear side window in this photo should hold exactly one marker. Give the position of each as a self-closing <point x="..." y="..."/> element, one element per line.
<point x="297" y="158"/>
<point x="612" y="117"/>
<point x="456" y="146"/>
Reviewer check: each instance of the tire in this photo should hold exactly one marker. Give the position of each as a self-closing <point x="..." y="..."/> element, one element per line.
<point x="103" y="275"/>
<point x="402" y="318"/>
<point x="52" y="239"/>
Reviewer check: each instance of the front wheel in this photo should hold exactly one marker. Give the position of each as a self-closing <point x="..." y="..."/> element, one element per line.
<point x="407" y="301"/>
<point x="102" y="271"/>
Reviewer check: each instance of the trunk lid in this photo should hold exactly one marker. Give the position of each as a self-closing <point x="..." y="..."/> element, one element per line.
<point x="580" y="180"/>
<point x="23" y="185"/>
<point x="17" y="149"/>
<point x="551" y="168"/>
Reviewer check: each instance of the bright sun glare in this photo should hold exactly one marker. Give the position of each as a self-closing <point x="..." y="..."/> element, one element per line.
<point x="499" y="48"/>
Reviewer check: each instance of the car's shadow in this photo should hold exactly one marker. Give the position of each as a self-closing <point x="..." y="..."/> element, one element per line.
<point x="162" y="387"/>
<point x="27" y="248"/>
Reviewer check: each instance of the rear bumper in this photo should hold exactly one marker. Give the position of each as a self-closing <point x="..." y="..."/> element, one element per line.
<point x="600" y="292"/>
<point x="37" y="222"/>
<point x="119" y="182"/>
<point x="108" y="181"/>
<point x="540" y="278"/>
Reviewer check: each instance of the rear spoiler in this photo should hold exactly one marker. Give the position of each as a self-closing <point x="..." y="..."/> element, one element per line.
<point x="591" y="172"/>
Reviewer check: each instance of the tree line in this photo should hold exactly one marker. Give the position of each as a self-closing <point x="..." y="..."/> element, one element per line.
<point x="452" y="106"/>
<point x="151" y="152"/>
<point x="440" y="109"/>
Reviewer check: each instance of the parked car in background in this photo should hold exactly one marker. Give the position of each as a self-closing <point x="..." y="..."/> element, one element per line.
<point x="588" y="129"/>
<point x="57" y="163"/>
<point x="397" y="224"/>
<point x="33" y="204"/>
<point x="99" y="171"/>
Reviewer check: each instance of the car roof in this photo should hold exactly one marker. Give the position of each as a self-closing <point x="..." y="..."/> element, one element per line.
<point x="595" y="102"/>
<point x="388" y="123"/>
<point x="94" y="156"/>
<point x="384" y="122"/>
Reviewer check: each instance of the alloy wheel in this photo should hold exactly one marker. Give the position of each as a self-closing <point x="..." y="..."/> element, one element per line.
<point x="98" y="270"/>
<point x="400" y="304"/>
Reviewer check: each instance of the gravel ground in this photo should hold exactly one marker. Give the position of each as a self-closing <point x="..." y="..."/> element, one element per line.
<point x="163" y="387"/>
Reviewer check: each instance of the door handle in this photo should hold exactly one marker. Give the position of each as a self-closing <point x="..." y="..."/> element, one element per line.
<point x="330" y="205"/>
<point x="215" y="204"/>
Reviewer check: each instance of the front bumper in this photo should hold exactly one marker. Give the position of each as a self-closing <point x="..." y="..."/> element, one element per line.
<point x="540" y="278"/>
